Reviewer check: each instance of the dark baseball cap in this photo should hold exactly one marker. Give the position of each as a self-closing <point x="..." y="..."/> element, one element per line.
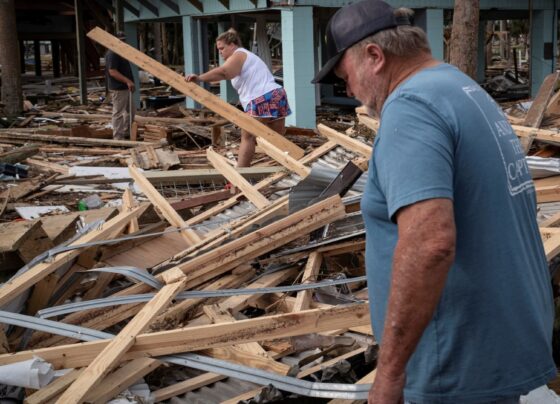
<point x="350" y="25"/>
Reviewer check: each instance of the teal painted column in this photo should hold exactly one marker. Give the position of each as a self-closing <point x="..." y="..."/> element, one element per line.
<point x="481" y="52"/>
<point x="131" y="31"/>
<point x="227" y="92"/>
<point x="543" y="47"/>
<point x="191" y="52"/>
<point x="299" y="65"/>
<point x="431" y="21"/>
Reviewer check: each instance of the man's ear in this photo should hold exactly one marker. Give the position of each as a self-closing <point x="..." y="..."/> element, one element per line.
<point x="375" y="56"/>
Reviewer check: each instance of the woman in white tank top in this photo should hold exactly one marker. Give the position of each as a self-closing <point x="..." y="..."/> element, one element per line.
<point x="259" y="94"/>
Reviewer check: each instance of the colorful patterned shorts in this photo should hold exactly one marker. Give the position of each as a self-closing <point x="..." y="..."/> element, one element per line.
<point x="273" y="104"/>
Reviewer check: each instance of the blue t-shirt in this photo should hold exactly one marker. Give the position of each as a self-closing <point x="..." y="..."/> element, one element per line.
<point x="442" y="136"/>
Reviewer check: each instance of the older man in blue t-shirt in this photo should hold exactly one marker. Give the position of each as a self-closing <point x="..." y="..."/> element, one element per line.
<point x="458" y="281"/>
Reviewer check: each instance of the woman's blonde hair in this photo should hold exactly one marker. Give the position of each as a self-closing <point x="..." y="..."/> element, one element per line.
<point x="230" y="37"/>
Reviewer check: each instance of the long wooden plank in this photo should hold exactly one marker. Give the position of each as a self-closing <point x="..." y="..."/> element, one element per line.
<point x="121" y="379"/>
<point x="314" y="155"/>
<point x="206" y="336"/>
<point x="345" y="141"/>
<point x="283" y="158"/>
<point x="544" y="135"/>
<point x="219" y="315"/>
<point x="119" y="345"/>
<point x="194" y="91"/>
<point x="164" y="207"/>
<point x="309" y="275"/>
<point x="250" y="192"/>
<point x="538" y="107"/>
<point x="236" y="252"/>
<point x="14" y="287"/>
<point x="548" y="194"/>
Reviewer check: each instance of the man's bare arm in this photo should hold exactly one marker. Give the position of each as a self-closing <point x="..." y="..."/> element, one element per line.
<point x="423" y="256"/>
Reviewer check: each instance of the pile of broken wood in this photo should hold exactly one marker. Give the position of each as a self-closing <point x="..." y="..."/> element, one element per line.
<point x="177" y="285"/>
<point x="261" y="284"/>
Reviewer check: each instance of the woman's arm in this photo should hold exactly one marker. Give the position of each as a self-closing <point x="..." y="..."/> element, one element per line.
<point x="230" y="69"/>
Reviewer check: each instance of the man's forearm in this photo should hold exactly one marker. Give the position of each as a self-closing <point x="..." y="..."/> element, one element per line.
<point x="422" y="259"/>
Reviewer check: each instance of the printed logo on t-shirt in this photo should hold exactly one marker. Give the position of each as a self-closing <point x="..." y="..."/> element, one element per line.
<point x="512" y="154"/>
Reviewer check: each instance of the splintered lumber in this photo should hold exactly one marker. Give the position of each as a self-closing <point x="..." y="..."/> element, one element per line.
<point x="18" y="137"/>
<point x="256" y="243"/>
<point x="206" y="336"/>
<point x="283" y="158"/>
<point x="538" y="107"/>
<point x="120" y="344"/>
<point x="368" y="121"/>
<point x="121" y="379"/>
<point x="194" y="91"/>
<point x="552" y="221"/>
<point x="543" y="135"/>
<point x="234" y="304"/>
<point x="552" y="246"/>
<point x="128" y="204"/>
<point x="345" y="141"/>
<point x="548" y="194"/>
<point x="314" y="155"/>
<point x="19" y="154"/>
<point x="16" y="286"/>
<point x="48" y="166"/>
<point x="164" y="207"/>
<point x="309" y="275"/>
<point x="252" y="194"/>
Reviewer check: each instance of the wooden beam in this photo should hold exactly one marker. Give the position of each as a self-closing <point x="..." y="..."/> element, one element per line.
<point x="194" y="91"/>
<point x="128" y="203"/>
<point x="207" y="336"/>
<point x="309" y="275"/>
<point x="345" y="141"/>
<point x="164" y="207"/>
<point x="110" y="356"/>
<point x="15" y="287"/>
<point x="543" y="135"/>
<point x="538" y="107"/>
<point x="21" y="137"/>
<point x="283" y="158"/>
<point x="147" y="4"/>
<point x="225" y="3"/>
<point x="172" y="5"/>
<point x="221" y="164"/>
<point x="121" y="379"/>
<point x="255" y="2"/>
<point x="314" y="155"/>
<point x="219" y="260"/>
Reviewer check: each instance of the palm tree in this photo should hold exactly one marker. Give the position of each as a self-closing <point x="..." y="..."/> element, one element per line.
<point x="464" y="36"/>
